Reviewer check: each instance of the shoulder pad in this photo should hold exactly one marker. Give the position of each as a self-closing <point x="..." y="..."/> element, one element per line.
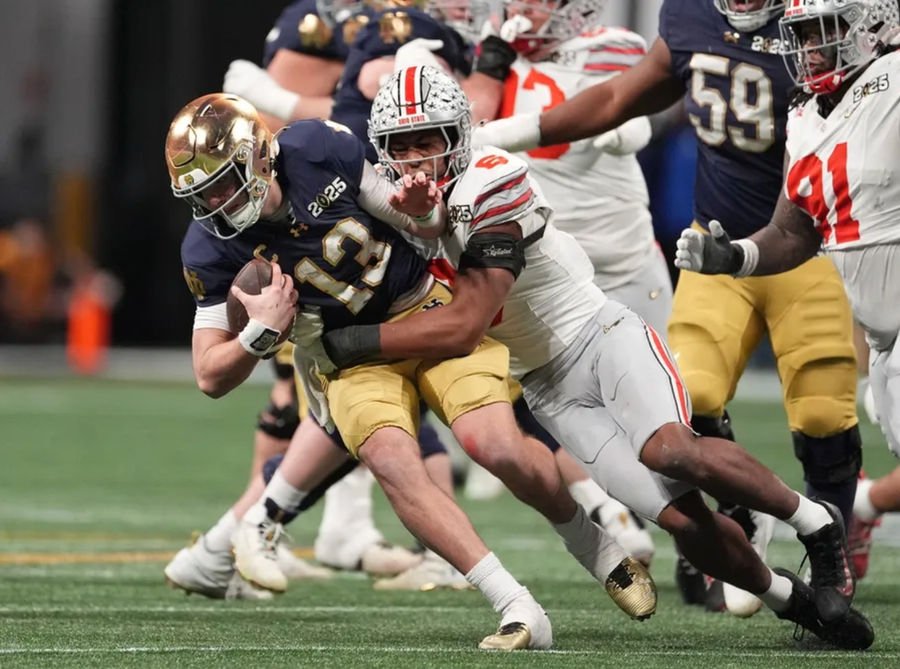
<point x="608" y="49"/>
<point x="495" y="187"/>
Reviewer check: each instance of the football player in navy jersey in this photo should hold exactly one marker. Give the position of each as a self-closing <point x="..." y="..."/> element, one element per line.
<point x="310" y="203"/>
<point x="723" y="58"/>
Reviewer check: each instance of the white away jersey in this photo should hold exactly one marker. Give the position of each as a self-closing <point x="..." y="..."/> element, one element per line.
<point x="555" y="295"/>
<point x="844" y="170"/>
<point x="598" y="198"/>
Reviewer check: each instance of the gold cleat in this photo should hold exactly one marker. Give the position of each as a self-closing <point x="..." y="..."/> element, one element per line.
<point x="512" y="636"/>
<point x="632" y="589"/>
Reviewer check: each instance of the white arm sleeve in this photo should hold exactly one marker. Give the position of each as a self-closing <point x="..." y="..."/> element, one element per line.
<point x="212" y="317"/>
<point x="374" y="191"/>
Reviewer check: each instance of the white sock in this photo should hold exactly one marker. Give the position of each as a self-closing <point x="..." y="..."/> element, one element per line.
<point x="218" y="537"/>
<point x="349" y="502"/>
<point x="808" y="517"/>
<point x="862" y="503"/>
<point x="281" y="492"/>
<point x="778" y="594"/>
<point x="495" y="583"/>
<point x="590" y="544"/>
<point x="588" y="494"/>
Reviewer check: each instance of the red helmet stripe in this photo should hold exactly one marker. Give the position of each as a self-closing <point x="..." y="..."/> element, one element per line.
<point x="410" y="88"/>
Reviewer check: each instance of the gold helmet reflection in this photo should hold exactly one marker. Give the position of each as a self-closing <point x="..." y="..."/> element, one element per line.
<point x="220" y="157"/>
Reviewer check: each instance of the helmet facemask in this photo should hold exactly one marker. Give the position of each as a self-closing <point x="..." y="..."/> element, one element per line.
<point x="828" y="42"/>
<point x="566" y="19"/>
<point x="417" y="99"/>
<point x="220" y="157"/>
<point x="749" y="20"/>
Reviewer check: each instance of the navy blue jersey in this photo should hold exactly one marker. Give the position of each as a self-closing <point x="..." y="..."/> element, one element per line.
<point x="301" y="29"/>
<point x="386" y="32"/>
<point x="347" y="263"/>
<point x="737" y="93"/>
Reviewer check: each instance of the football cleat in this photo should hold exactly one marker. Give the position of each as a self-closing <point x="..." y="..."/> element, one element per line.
<point x="859" y="544"/>
<point x="514" y="636"/>
<point x="255" y="554"/>
<point x="386" y="559"/>
<point x="632" y="588"/>
<point x="831" y="577"/>
<point x="626" y="528"/>
<point x="431" y="573"/>
<point x="852" y="631"/>
<point x="739" y="602"/>
<point x="296" y="568"/>
<point x="198" y="570"/>
<point x="524" y="625"/>
<point x="691" y="582"/>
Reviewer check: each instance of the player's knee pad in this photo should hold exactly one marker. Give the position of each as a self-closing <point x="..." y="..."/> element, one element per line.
<point x="709" y="392"/>
<point x="829" y="460"/>
<point x="429" y="441"/>
<point x="531" y="427"/>
<point x="709" y="426"/>
<point x="279" y="422"/>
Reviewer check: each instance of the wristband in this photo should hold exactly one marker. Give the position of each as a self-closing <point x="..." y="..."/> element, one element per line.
<point x="750" y="252"/>
<point x="353" y="345"/>
<point x="429" y="220"/>
<point x="257" y="338"/>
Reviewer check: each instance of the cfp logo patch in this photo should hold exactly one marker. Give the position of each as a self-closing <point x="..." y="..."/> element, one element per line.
<point x="326" y="198"/>
<point x="459" y="213"/>
<point x="877" y="85"/>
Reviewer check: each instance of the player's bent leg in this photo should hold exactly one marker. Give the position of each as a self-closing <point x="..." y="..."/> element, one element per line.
<point x="393" y="457"/>
<point x="622" y="523"/>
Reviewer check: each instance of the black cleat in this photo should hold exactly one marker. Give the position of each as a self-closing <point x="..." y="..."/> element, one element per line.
<point x="853" y="631"/>
<point x="832" y="578"/>
<point x="691" y="582"/>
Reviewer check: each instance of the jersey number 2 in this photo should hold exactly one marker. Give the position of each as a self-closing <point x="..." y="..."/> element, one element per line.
<point x="846" y="228"/>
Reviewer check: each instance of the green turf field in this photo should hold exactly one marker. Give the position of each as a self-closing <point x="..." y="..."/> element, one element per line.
<point x="101" y="481"/>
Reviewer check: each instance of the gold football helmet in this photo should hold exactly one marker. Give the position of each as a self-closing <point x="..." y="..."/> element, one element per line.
<point x="221" y="158"/>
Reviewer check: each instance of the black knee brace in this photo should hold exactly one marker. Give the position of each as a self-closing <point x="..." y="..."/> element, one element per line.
<point x="708" y="426"/>
<point x="279" y="422"/>
<point x="829" y="460"/>
<point x="282" y="371"/>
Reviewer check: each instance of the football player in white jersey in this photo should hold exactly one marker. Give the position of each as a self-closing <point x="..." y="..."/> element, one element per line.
<point x="596" y="186"/>
<point x="593" y="372"/>
<point x="841" y="188"/>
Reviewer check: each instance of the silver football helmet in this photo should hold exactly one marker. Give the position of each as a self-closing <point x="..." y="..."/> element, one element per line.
<point x="848" y="35"/>
<point x="748" y="20"/>
<point x="567" y="20"/>
<point x="465" y="16"/>
<point x="421" y="98"/>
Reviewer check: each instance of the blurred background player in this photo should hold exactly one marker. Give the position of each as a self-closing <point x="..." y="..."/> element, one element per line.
<point x="722" y="58"/>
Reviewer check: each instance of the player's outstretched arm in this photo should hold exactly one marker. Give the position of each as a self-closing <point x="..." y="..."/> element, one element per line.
<point x="647" y="88"/>
<point x="414" y="205"/>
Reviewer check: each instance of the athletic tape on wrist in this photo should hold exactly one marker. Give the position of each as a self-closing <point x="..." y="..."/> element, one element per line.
<point x="258" y="338"/>
<point x="751" y="257"/>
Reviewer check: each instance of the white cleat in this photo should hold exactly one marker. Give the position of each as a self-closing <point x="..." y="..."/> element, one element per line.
<point x="432" y="573"/>
<point x="296" y="568"/>
<point x="739" y="602"/>
<point x="255" y="555"/>
<point x="383" y="559"/>
<point x="211" y="574"/>
<point x="626" y="528"/>
<point x="524" y="625"/>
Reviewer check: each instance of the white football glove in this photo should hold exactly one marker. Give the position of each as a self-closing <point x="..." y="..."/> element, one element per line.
<point x="257" y="87"/>
<point x="708" y="254"/>
<point x="516" y="133"/>
<point x="419" y="51"/>
<point x="515" y="26"/>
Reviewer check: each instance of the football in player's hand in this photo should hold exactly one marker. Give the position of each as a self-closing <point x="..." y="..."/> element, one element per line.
<point x="253" y="277"/>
